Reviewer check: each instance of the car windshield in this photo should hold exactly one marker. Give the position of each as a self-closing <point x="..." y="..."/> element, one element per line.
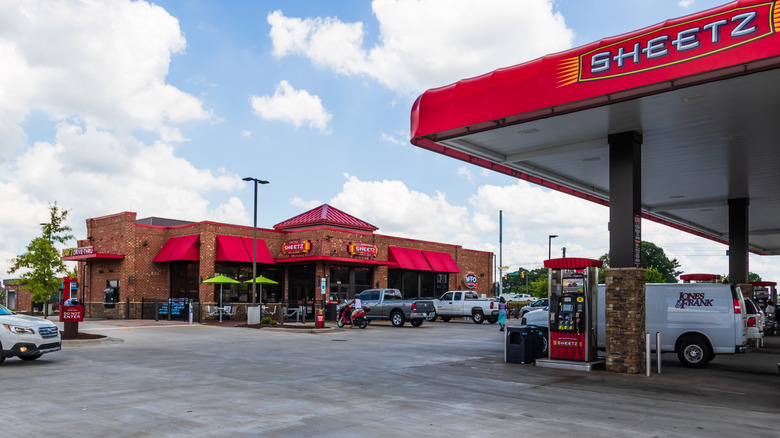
<point x="4" y="310"/>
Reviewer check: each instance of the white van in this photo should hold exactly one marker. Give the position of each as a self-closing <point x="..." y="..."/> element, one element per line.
<point x="696" y="320"/>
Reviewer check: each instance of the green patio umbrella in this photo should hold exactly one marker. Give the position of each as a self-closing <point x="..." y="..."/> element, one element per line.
<point x="261" y="281"/>
<point x="220" y="279"/>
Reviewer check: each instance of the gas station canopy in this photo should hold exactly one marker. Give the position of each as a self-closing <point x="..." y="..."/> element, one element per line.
<point x="702" y="90"/>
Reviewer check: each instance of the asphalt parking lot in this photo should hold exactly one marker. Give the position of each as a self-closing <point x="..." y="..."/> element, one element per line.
<point x="442" y="379"/>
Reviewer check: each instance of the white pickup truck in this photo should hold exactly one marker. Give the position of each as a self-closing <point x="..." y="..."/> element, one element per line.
<point x="466" y="303"/>
<point x="26" y="337"/>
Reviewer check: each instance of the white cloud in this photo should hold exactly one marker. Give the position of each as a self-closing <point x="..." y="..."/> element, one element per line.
<point x="466" y="173"/>
<point x="686" y="3"/>
<point x="393" y="139"/>
<point x="423" y="44"/>
<point x="292" y="106"/>
<point x="304" y="204"/>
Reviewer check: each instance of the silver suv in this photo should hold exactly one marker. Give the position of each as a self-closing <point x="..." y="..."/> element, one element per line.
<point x="26" y="337"/>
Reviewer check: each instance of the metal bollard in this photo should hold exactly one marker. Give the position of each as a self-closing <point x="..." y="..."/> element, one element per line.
<point x="647" y="354"/>
<point x="658" y="352"/>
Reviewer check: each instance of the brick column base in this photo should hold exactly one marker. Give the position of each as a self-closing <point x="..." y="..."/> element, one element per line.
<point x="625" y="320"/>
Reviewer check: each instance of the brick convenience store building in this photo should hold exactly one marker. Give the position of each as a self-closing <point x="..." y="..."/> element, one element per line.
<point x="125" y="262"/>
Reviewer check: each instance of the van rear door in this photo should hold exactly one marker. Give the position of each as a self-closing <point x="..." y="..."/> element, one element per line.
<point x="740" y="318"/>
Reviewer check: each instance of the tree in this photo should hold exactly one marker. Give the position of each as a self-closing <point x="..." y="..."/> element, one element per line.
<point x="653" y="257"/>
<point x="653" y="276"/>
<point x="42" y="259"/>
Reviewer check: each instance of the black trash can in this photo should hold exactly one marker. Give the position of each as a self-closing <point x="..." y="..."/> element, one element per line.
<point x="521" y="344"/>
<point x="330" y="311"/>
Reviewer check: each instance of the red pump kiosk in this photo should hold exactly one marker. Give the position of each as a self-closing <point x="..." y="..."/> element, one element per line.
<point x="573" y="286"/>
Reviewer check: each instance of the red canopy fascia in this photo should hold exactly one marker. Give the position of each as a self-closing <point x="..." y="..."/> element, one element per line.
<point x="763" y="283"/>
<point x="699" y="277"/>
<point x="572" y="263"/>
<point x="94" y="256"/>
<point x="239" y="249"/>
<point x="182" y="248"/>
<point x="441" y="261"/>
<point x="571" y="80"/>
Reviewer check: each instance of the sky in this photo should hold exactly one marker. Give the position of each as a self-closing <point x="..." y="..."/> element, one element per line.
<point x="162" y="108"/>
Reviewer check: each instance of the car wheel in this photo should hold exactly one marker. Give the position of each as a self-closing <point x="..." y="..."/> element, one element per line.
<point x="693" y="352"/>
<point x="416" y="322"/>
<point x="31" y="357"/>
<point x="433" y="317"/>
<point x="492" y="320"/>
<point x="397" y="318"/>
<point x="446" y="318"/>
<point x="478" y="317"/>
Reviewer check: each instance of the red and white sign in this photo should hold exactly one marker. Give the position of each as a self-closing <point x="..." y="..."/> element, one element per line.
<point x="678" y="43"/>
<point x="296" y="247"/>
<point x="71" y="313"/>
<point x="362" y="249"/>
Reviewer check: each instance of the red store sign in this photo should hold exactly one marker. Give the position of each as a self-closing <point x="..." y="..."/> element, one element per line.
<point x="296" y="247"/>
<point x="362" y="249"/>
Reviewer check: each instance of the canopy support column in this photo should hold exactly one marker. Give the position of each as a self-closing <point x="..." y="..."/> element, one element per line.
<point x="625" y="199"/>
<point x="738" y="240"/>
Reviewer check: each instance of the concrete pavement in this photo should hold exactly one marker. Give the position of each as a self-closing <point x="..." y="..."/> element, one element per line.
<point x="442" y="379"/>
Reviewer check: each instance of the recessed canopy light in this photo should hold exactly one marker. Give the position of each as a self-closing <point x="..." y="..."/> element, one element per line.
<point x="689" y="99"/>
<point x="587" y="160"/>
<point x="676" y="196"/>
<point x="528" y="131"/>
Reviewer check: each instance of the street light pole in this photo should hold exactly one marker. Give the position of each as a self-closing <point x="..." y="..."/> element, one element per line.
<point x="549" y="245"/>
<point x="254" y="243"/>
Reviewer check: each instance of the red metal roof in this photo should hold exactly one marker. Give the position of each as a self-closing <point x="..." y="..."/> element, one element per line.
<point x="325" y="215"/>
<point x="239" y="249"/>
<point x="179" y="249"/>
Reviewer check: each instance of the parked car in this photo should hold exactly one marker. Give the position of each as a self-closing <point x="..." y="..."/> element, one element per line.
<point x="534" y="305"/>
<point x="755" y="322"/>
<point x="697" y="321"/>
<point x="466" y="303"/>
<point x="517" y="297"/>
<point x="388" y="304"/>
<point x="26" y="337"/>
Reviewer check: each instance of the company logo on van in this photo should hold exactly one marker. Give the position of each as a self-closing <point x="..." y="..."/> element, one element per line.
<point x="688" y="299"/>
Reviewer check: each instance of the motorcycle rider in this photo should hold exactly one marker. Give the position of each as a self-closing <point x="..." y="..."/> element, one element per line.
<point x="357" y="307"/>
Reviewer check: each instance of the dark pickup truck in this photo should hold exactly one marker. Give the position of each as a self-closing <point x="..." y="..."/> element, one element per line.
<point x="388" y="304"/>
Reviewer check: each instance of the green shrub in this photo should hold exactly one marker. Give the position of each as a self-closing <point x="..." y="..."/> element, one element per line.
<point x="268" y="320"/>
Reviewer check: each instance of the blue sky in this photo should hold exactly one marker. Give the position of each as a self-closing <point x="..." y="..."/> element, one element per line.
<point x="161" y="108"/>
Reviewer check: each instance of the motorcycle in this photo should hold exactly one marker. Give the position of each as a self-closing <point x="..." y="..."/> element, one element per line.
<point x="345" y="316"/>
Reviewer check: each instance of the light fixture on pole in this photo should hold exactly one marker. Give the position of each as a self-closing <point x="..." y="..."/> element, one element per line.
<point x="254" y="241"/>
<point x="549" y="245"/>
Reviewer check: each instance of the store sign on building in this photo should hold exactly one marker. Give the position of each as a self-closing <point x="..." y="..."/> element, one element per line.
<point x="296" y="247"/>
<point x="361" y="249"/>
<point x="471" y="279"/>
<point x="70" y="252"/>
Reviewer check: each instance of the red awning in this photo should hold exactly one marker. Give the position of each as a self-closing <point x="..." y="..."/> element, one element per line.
<point x="239" y="249"/>
<point x="179" y="249"/>
<point x="406" y="258"/>
<point x="441" y="261"/>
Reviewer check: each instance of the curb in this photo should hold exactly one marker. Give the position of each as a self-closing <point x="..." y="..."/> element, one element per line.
<point x="85" y="342"/>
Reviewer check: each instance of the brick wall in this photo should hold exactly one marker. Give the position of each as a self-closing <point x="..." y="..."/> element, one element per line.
<point x="625" y="320"/>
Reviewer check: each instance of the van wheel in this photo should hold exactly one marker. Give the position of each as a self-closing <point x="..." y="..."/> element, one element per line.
<point x="693" y="352"/>
<point x="479" y="318"/>
<point x="397" y="318"/>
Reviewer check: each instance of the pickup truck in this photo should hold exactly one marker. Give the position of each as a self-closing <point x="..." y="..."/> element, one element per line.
<point x="388" y="304"/>
<point x="26" y="337"/>
<point x="466" y="303"/>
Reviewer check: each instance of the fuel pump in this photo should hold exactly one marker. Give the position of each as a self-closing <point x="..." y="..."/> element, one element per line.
<point x="573" y="284"/>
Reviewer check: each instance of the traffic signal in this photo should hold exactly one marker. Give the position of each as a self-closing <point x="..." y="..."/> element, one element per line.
<point x="522" y="274"/>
